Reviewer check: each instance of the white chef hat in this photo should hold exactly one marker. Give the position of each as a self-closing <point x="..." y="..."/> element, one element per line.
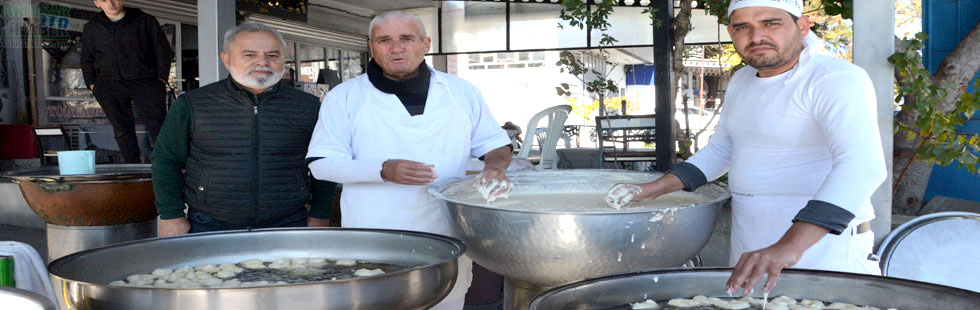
<point x="794" y="7"/>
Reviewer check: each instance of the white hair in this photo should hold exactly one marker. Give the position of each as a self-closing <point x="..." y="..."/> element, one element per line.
<point x="387" y="16"/>
<point x="232" y="33"/>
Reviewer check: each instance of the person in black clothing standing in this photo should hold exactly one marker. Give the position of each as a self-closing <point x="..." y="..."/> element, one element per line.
<point x="126" y="60"/>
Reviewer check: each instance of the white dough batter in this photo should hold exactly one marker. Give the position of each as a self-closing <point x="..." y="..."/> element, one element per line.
<point x="368" y="272"/>
<point x="646" y="304"/>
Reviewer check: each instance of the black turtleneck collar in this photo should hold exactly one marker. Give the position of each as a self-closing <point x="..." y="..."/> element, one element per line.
<point x="412" y="91"/>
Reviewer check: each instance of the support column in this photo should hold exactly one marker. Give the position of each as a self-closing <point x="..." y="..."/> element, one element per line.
<point x="214" y="17"/>
<point x="663" y="77"/>
<point x="874" y="33"/>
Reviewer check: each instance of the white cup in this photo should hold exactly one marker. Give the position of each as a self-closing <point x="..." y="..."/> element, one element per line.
<point x="76" y="162"/>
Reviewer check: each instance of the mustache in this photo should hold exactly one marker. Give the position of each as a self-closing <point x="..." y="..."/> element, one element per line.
<point x="761" y="43"/>
<point x="263" y="69"/>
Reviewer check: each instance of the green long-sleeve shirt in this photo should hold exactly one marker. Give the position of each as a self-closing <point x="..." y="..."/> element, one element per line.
<point x="170" y="156"/>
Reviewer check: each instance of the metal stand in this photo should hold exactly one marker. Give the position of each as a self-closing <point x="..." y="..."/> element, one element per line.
<point x="64" y="240"/>
<point x="518" y="295"/>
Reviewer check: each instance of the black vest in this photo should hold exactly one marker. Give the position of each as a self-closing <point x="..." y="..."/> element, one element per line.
<point x="245" y="162"/>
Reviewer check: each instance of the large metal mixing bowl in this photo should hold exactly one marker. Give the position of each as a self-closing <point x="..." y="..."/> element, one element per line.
<point x="114" y="195"/>
<point x="81" y="278"/>
<point x="616" y="292"/>
<point x="550" y="248"/>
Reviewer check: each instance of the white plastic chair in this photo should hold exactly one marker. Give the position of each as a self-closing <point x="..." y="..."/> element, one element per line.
<point x="541" y="133"/>
<point x="556" y="124"/>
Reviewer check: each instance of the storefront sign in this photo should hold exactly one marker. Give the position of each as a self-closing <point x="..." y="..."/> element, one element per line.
<point x="75" y="112"/>
<point x="62" y="23"/>
<point x="288" y="9"/>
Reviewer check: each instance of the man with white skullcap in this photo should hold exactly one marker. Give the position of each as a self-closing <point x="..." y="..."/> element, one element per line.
<point x="799" y="140"/>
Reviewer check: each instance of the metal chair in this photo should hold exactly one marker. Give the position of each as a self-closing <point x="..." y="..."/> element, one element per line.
<point x="556" y="123"/>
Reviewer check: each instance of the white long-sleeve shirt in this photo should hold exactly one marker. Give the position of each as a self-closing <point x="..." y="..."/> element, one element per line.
<point x="811" y="131"/>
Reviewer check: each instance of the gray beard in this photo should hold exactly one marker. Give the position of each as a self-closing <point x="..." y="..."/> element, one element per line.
<point x="256" y="83"/>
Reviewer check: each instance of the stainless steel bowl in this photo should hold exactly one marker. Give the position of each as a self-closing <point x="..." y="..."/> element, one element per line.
<point x="81" y="278"/>
<point x="550" y="248"/>
<point x="616" y="292"/>
<point x="15" y="298"/>
<point x="937" y="248"/>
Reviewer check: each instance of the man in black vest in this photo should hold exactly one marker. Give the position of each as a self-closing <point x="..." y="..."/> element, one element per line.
<point x="242" y="144"/>
<point x="126" y="60"/>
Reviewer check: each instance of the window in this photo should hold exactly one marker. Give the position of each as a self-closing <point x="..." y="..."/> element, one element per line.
<point x="510" y="60"/>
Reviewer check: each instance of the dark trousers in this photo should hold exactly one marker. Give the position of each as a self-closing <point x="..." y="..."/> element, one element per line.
<point x="201" y="222"/>
<point x="117" y="99"/>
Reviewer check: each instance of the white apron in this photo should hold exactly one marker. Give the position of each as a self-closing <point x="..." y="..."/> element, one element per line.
<point x="440" y="136"/>
<point x="759" y="221"/>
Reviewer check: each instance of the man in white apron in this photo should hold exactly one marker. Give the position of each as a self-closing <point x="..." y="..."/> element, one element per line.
<point x="387" y="134"/>
<point x="799" y="140"/>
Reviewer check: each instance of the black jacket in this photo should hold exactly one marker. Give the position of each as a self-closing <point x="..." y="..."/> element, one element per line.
<point x="132" y="48"/>
<point x="246" y="154"/>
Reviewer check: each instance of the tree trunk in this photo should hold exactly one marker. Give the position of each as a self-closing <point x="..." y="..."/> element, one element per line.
<point x="681" y="25"/>
<point x="955" y="74"/>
